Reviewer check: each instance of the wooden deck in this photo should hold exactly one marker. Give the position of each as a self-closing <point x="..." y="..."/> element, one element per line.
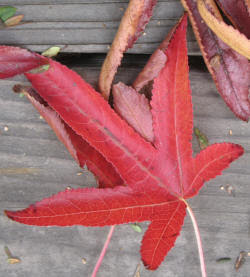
<point x="26" y="141"/>
<point x="87" y="25"/>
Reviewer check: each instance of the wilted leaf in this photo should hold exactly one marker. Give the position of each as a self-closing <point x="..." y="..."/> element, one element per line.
<point x="132" y="24"/>
<point x="229" y="69"/>
<point x="155" y="63"/>
<point x="238" y="11"/>
<point x="226" y="33"/>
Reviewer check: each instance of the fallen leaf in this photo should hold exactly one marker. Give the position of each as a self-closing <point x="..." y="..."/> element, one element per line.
<point x="14" y="20"/>
<point x="238" y="12"/>
<point x="231" y="36"/>
<point x="7" y="12"/>
<point x="136" y="227"/>
<point x="229" y="69"/>
<point x="159" y="175"/>
<point x="202" y="139"/>
<point x="134" y="108"/>
<point x="51" y="52"/>
<point x="240" y="260"/>
<point x="132" y="25"/>
<point x="11" y="259"/>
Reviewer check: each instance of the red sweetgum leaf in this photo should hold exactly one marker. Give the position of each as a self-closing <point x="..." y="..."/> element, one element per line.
<point x="79" y="149"/>
<point x="238" y="11"/>
<point x="134" y="108"/>
<point x="158" y="174"/>
<point x="132" y="24"/>
<point x="14" y="60"/>
<point x="229" y="69"/>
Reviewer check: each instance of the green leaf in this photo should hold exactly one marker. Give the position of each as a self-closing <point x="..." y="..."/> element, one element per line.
<point x="7" y="12"/>
<point x="136" y="227"/>
<point x="202" y="139"/>
<point x="51" y="52"/>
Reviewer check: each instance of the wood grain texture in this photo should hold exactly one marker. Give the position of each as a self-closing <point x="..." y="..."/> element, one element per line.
<point x="87" y="26"/>
<point x="224" y="220"/>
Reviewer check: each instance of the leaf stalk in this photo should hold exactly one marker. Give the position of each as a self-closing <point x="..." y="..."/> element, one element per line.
<point x="104" y="249"/>
<point x="198" y="239"/>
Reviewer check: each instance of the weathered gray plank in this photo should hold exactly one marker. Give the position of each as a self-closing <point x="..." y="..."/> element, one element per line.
<point x="87" y="26"/>
<point x="29" y="142"/>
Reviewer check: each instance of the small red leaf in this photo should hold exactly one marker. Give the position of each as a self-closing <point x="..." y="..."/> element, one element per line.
<point x="134" y="108"/>
<point x="14" y="60"/>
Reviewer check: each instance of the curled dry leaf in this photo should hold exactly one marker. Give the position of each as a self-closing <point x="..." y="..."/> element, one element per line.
<point x="226" y="33"/>
<point x="229" y="69"/>
<point x="238" y="11"/>
<point x="132" y="24"/>
<point x="155" y="63"/>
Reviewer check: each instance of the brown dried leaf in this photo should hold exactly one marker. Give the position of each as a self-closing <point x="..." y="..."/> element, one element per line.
<point x="132" y="24"/>
<point x="229" y="69"/>
<point x="239" y="14"/>
<point x="14" y="20"/>
<point x="226" y="33"/>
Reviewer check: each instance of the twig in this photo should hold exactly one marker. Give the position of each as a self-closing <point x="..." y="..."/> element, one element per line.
<point x="104" y="249"/>
<point x="198" y="239"/>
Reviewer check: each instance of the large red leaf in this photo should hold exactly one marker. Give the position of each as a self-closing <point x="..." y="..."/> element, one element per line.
<point x="159" y="174"/>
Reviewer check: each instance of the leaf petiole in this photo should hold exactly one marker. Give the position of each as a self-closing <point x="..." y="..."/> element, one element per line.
<point x="198" y="239"/>
<point x="104" y="249"/>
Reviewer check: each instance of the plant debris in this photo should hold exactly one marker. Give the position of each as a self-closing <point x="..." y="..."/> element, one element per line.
<point x="223" y="260"/>
<point x="136" y="227"/>
<point x="240" y="260"/>
<point x="229" y="189"/>
<point x="137" y="271"/>
<point x="202" y="139"/>
<point x="11" y="259"/>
